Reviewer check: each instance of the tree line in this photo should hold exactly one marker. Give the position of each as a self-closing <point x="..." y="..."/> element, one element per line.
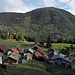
<point x="49" y="40"/>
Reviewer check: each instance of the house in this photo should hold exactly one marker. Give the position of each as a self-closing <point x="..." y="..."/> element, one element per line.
<point x="28" y="55"/>
<point x="1" y="57"/>
<point x="20" y="49"/>
<point x="41" y="57"/>
<point x="12" y="58"/>
<point x="12" y="50"/>
<point x="3" y="49"/>
<point x="60" y="60"/>
<point x="39" y="54"/>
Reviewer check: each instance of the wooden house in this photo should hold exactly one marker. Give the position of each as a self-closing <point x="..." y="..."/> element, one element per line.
<point x="28" y="55"/>
<point x="12" y="58"/>
<point x="41" y="57"/>
<point x="39" y="54"/>
<point x="60" y="61"/>
<point x="3" y="49"/>
<point x="1" y="57"/>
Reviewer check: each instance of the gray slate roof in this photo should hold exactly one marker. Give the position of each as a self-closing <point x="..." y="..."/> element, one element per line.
<point x="60" y="56"/>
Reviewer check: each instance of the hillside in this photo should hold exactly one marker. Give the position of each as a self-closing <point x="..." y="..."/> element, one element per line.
<point x="40" y="22"/>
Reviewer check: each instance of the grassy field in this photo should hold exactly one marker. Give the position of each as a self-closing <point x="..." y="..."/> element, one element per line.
<point x="36" y="67"/>
<point x="12" y="43"/>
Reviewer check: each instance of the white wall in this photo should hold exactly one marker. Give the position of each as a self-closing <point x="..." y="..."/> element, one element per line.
<point x="0" y="60"/>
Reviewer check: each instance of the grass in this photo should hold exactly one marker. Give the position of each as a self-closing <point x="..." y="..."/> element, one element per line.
<point x="38" y="68"/>
<point x="1" y="73"/>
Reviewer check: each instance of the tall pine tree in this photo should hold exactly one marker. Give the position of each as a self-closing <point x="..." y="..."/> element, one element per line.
<point x="48" y="42"/>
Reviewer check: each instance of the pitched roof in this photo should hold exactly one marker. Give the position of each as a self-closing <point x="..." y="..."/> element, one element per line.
<point x="39" y="48"/>
<point x="40" y="52"/>
<point x="59" y="56"/>
<point x="1" y="54"/>
<point x="50" y="49"/>
<point x="44" y="57"/>
<point x="14" y="50"/>
<point x="3" y="47"/>
<point x="32" y="51"/>
<point x="52" y="53"/>
<point x="37" y="54"/>
<point x="19" y="47"/>
<point x="15" y="56"/>
<point x="29" y="50"/>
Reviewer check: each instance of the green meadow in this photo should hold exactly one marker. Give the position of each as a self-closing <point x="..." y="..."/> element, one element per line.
<point x="36" y="67"/>
<point x="12" y="43"/>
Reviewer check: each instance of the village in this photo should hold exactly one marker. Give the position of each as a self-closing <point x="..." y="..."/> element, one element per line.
<point x="18" y="55"/>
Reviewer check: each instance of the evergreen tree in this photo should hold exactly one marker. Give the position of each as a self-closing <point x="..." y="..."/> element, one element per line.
<point x="48" y="42"/>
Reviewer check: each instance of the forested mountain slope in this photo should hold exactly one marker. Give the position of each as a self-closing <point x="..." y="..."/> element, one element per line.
<point x="40" y="23"/>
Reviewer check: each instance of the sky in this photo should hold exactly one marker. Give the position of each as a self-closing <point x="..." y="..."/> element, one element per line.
<point x="23" y="6"/>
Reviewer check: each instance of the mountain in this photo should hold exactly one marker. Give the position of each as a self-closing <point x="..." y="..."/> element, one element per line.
<point x="40" y="23"/>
